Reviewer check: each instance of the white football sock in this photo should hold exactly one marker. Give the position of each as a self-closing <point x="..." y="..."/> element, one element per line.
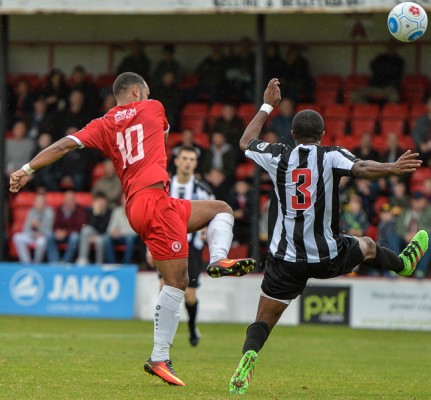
<point x="166" y="320"/>
<point x="219" y="236"/>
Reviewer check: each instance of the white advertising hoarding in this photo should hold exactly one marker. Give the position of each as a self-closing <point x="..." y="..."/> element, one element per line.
<point x="197" y="6"/>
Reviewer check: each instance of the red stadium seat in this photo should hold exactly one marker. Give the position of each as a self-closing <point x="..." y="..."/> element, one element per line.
<point x="203" y="140"/>
<point x="308" y="106"/>
<point x="98" y="172"/>
<point x="335" y="128"/>
<point x="365" y="111"/>
<point x="213" y="113"/>
<point x="393" y="125"/>
<point x="336" y="111"/>
<point x="379" y="143"/>
<point x="24" y="200"/>
<point x="419" y="176"/>
<point x="196" y="123"/>
<point x="195" y="109"/>
<point x="333" y="82"/>
<point x="326" y="96"/>
<point x="397" y="110"/>
<point x="406" y="142"/>
<point x="358" y="127"/>
<point x="247" y="111"/>
<point x="105" y="80"/>
<point x="245" y="170"/>
<point x="347" y="141"/>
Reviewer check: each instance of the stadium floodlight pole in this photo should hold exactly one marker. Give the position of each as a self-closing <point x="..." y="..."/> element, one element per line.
<point x="259" y="86"/>
<point x="4" y="39"/>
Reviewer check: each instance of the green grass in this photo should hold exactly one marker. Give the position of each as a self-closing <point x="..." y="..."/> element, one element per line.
<point x="82" y="359"/>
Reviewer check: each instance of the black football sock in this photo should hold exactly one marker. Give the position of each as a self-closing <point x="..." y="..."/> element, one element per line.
<point x="192" y="310"/>
<point x="386" y="259"/>
<point x="257" y="333"/>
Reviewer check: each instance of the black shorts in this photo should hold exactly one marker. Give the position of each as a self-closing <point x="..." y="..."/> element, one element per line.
<point x="285" y="280"/>
<point x="195" y="266"/>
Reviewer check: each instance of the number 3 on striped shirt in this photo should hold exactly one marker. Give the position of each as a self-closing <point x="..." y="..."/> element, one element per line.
<point x="302" y="200"/>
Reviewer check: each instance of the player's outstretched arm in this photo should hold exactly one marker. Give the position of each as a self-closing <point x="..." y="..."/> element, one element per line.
<point x="406" y="164"/>
<point x="57" y="150"/>
<point x="271" y="98"/>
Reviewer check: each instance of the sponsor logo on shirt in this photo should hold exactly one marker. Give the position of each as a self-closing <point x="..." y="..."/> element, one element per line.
<point x="262" y="146"/>
<point x="125" y="114"/>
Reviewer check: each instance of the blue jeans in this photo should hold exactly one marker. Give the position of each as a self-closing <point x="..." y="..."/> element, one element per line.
<point x="53" y="253"/>
<point x="109" y="244"/>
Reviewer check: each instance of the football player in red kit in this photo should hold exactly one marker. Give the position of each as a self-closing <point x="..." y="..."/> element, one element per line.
<point x="132" y="135"/>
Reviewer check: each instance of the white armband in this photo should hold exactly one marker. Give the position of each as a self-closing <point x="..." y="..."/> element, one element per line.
<point x="267" y="108"/>
<point x="27" y="169"/>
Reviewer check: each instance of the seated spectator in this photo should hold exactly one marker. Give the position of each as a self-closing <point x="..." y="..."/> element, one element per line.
<point x="399" y="197"/>
<point x="22" y="100"/>
<point x="40" y="120"/>
<point x="369" y="192"/>
<point x="422" y="134"/>
<point x="75" y="116"/>
<point x="37" y="227"/>
<point x="47" y="177"/>
<point x="92" y="233"/>
<point x="79" y="82"/>
<point x="282" y="122"/>
<point x="119" y="232"/>
<point x="69" y="219"/>
<point x="220" y="156"/>
<point x="230" y="124"/>
<point x="240" y="72"/>
<point x="109" y="184"/>
<point x="241" y="201"/>
<point x="393" y="150"/>
<point x="354" y="220"/>
<point x="415" y="217"/>
<point x="218" y="183"/>
<point x="19" y="148"/>
<point x="137" y="61"/>
<point x="365" y="150"/>
<point x="56" y="91"/>
<point x="168" y="93"/>
<point x="211" y="77"/>
<point x="387" y="72"/>
<point x="187" y="139"/>
<point x="108" y="103"/>
<point x="298" y="81"/>
<point x="168" y="63"/>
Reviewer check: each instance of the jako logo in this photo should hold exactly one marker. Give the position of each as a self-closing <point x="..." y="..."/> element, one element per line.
<point x="85" y="288"/>
<point x="125" y="114"/>
<point x="26" y="287"/>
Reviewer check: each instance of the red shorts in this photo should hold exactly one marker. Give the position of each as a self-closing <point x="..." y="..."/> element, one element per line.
<point x="161" y="221"/>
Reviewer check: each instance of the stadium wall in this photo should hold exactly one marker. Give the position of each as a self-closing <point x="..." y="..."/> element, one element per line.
<point x="376" y="303"/>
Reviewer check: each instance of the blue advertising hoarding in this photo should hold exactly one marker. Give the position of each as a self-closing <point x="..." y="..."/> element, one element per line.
<point x="88" y="292"/>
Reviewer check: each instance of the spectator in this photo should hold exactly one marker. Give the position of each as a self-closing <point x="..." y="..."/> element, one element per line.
<point x="298" y="81"/>
<point x="393" y="150"/>
<point x="220" y="156"/>
<point x="369" y="192"/>
<point x="282" y="122"/>
<point x="19" y="147"/>
<point x="168" y="63"/>
<point x="68" y="221"/>
<point x="218" y="183"/>
<point x="187" y="139"/>
<point x="119" y="232"/>
<point x="240" y="199"/>
<point x="230" y="124"/>
<point x="22" y="100"/>
<point x="109" y="184"/>
<point x="422" y="134"/>
<point x="37" y="227"/>
<point x="354" y="220"/>
<point x="211" y="76"/>
<point x="40" y="120"/>
<point x="416" y="216"/>
<point x="49" y="176"/>
<point x="56" y="91"/>
<point x="108" y="103"/>
<point x="168" y="93"/>
<point x="75" y="116"/>
<point x="274" y="65"/>
<point x="93" y="232"/>
<point x="365" y="150"/>
<point x="387" y="72"/>
<point x="136" y="62"/>
<point x="240" y="72"/>
<point x="399" y="197"/>
<point x="80" y="82"/>
<point x="271" y="136"/>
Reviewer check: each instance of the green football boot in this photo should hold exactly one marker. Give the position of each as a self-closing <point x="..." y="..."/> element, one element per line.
<point x="243" y="374"/>
<point x="413" y="253"/>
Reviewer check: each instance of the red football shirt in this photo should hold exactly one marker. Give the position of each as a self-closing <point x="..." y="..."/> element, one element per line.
<point x="133" y="137"/>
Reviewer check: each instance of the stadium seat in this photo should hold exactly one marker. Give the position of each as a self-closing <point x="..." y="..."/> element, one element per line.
<point x="245" y="170"/>
<point x="365" y="111"/>
<point x="213" y="113"/>
<point x="203" y="140"/>
<point x="347" y="141"/>
<point x="195" y="122"/>
<point x="332" y="82"/>
<point x="419" y="176"/>
<point x="393" y="125"/>
<point x="105" y="81"/>
<point x="308" y="106"/>
<point x="326" y="96"/>
<point x="98" y="172"/>
<point x="406" y="142"/>
<point x="195" y="109"/>
<point x="335" y="128"/>
<point x="414" y="88"/>
<point x="358" y="127"/>
<point x="247" y="111"/>
<point x="24" y="200"/>
<point x="336" y="112"/>
<point x="397" y="110"/>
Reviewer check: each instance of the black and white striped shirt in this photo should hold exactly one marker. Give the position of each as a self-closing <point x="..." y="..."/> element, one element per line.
<point x="304" y="222"/>
<point x="194" y="189"/>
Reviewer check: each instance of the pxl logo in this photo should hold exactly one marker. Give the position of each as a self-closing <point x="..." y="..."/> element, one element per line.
<point x="26" y="287"/>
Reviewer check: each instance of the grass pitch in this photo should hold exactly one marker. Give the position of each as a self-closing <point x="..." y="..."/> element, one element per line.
<point x="84" y="359"/>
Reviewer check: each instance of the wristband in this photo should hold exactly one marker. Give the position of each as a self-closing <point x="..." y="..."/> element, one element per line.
<point x="267" y="108"/>
<point x="27" y="169"/>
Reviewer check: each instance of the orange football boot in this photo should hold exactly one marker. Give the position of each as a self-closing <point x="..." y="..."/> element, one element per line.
<point x="164" y="370"/>
<point x="231" y="267"/>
